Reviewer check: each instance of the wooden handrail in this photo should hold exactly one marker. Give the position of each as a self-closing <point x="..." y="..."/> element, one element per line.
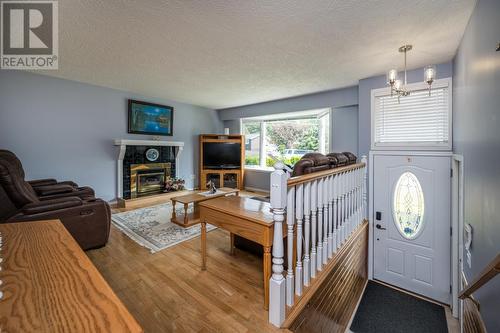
<point x="487" y="274"/>
<point x="320" y="174"/>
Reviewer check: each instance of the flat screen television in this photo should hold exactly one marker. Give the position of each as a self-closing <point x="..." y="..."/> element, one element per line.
<point x="149" y="118"/>
<point x="221" y="155"/>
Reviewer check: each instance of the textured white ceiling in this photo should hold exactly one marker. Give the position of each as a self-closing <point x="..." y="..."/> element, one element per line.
<point x="222" y="53"/>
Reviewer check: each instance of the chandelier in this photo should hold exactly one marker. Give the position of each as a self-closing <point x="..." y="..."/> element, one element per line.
<point x="398" y="86"/>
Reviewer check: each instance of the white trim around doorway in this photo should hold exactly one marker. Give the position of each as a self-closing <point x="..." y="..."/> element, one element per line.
<point x="457" y="223"/>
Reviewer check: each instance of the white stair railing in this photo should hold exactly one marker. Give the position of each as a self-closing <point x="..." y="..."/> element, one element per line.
<point x="322" y="211"/>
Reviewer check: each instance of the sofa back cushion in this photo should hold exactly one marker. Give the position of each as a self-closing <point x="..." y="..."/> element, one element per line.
<point x="311" y="162"/>
<point x="339" y="158"/>
<point x="314" y="162"/>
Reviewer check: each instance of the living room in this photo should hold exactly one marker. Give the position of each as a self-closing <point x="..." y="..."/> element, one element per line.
<point x="249" y="166"/>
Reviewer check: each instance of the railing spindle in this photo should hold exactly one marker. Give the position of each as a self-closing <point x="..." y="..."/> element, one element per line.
<point x="335" y="213"/>
<point x="299" y="215"/>
<point x="342" y="208"/>
<point x="314" y="223"/>
<point x="290" y="219"/>
<point x="324" y="256"/>
<point x="355" y="205"/>
<point x="331" y="222"/>
<point x="347" y="198"/>
<point x="360" y="194"/>
<point x="307" y="233"/>
<point x="319" y="263"/>
<point x="351" y="201"/>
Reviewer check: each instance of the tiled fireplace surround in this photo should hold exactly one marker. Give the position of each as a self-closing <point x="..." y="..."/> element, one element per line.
<point x="134" y="169"/>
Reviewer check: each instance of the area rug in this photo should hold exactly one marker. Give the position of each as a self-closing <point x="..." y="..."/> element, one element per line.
<point x="151" y="227"/>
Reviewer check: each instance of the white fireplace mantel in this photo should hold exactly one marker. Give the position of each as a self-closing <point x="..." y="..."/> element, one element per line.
<point x="123" y="147"/>
<point x="148" y="143"/>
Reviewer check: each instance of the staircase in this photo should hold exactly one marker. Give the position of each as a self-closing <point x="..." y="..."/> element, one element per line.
<point x="472" y="321"/>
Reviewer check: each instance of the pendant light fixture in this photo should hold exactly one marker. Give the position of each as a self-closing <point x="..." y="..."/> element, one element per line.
<point x="400" y="87"/>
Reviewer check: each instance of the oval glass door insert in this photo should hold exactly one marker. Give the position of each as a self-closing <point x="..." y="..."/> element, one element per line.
<point x="408" y="205"/>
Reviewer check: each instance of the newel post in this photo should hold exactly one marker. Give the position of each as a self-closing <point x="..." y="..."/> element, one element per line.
<point x="277" y="284"/>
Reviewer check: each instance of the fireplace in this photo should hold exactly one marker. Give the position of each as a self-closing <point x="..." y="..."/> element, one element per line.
<point x="140" y="174"/>
<point x="150" y="181"/>
<point x="147" y="179"/>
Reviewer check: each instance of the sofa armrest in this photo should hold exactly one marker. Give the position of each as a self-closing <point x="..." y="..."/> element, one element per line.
<point x="53" y="189"/>
<point x="302" y="166"/>
<point x="50" y="181"/>
<point x="88" y="222"/>
<point x="50" y="205"/>
<point x="68" y="182"/>
<point x="42" y="182"/>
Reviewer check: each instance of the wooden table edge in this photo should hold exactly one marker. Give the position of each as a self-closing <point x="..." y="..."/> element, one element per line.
<point x="86" y="263"/>
<point x="206" y="204"/>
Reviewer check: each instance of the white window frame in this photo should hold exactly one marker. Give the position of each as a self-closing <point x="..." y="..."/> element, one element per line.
<point x="280" y="116"/>
<point x="446" y="146"/>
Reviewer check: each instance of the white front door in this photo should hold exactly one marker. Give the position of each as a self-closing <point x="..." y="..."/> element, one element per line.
<point x="412" y="225"/>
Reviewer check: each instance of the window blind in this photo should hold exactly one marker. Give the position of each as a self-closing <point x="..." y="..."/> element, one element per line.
<point x="417" y="118"/>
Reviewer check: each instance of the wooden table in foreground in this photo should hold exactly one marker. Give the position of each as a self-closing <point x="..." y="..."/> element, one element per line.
<point x="50" y="285"/>
<point x="189" y="219"/>
<point x="245" y="217"/>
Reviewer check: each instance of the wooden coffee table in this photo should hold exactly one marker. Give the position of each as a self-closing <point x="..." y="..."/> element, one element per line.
<point x="189" y="219"/>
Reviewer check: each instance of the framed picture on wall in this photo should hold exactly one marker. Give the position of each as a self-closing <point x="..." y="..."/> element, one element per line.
<point x="150" y="118"/>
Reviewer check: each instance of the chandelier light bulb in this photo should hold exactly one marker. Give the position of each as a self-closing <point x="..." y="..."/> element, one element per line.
<point x="398" y="84"/>
<point x="429" y="74"/>
<point x="392" y="76"/>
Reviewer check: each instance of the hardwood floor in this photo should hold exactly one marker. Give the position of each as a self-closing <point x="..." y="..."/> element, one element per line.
<point x="168" y="292"/>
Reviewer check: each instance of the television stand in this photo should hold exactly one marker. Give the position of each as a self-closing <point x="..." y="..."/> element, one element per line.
<point x="231" y="177"/>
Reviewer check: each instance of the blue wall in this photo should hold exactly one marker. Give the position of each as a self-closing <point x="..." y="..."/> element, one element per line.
<point x="476" y="135"/>
<point x="343" y="121"/>
<point x="344" y="129"/>
<point x="327" y="99"/>
<point x="233" y="125"/>
<point x="65" y="129"/>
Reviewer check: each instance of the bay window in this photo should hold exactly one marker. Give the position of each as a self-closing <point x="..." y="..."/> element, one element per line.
<point x="285" y="137"/>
